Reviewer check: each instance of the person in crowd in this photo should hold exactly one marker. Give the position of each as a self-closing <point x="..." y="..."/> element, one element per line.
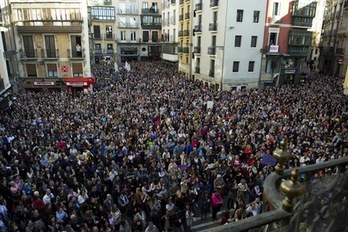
<point x="68" y="158"/>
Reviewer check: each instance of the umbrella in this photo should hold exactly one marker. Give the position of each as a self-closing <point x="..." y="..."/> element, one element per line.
<point x="268" y="160"/>
<point x="182" y="167"/>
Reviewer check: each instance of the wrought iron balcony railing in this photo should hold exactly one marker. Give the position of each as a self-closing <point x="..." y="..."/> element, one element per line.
<point x="312" y="198"/>
<point x="199" y="6"/>
<point x="197" y="49"/>
<point x="211" y="50"/>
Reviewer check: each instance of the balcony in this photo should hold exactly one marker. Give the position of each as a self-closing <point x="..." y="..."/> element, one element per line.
<point x="110" y="51"/>
<point x="97" y="36"/>
<point x="211" y="50"/>
<point x="197" y="70"/>
<point x="181" y="17"/>
<point x="212" y="26"/>
<point x="50" y="53"/>
<point x="128" y="11"/>
<point x="198" y="28"/>
<point x="285" y="207"/>
<point x="149" y="11"/>
<point x="73" y="54"/>
<point x="186" y="33"/>
<point x="180" y="49"/>
<point x="187" y="15"/>
<point x="214" y="3"/>
<point x="186" y="50"/>
<point x="181" y="33"/>
<point x="298" y="50"/>
<point x="197" y="49"/>
<point x="109" y="36"/>
<point x="128" y="25"/>
<point x="181" y="2"/>
<point x="29" y="54"/>
<point x="302" y="21"/>
<point x="345" y="5"/>
<point x="151" y="25"/>
<point x="211" y="72"/>
<point x="199" y="6"/>
<point x="340" y="51"/>
<point x="98" y="51"/>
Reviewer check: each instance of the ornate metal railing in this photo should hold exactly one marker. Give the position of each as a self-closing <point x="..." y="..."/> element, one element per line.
<point x="308" y="198"/>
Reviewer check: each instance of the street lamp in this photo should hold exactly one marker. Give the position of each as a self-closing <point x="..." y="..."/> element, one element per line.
<point x="222" y="66"/>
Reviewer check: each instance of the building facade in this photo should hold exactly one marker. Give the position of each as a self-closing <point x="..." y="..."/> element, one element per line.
<point x="333" y="42"/>
<point x="138" y="25"/>
<point x="228" y="37"/>
<point x="287" y="41"/>
<point x="316" y="29"/>
<point x="49" y="42"/>
<point x="5" y="83"/>
<point x="185" y="33"/>
<point x="170" y="20"/>
<point x="102" y="30"/>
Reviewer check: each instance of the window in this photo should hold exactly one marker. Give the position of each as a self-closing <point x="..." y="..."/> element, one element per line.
<point x="157" y="20"/>
<point x="50" y="46"/>
<point x="147" y="20"/>
<point x="145" y="36"/>
<point x="108" y="30"/>
<point x="77" y="69"/>
<point x="238" y="41"/>
<point x="103" y="13"/>
<point x="154" y="8"/>
<point x="76" y="46"/>
<point x="145" y="5"/>
<point x="251" y="66"/>
<point x="28" y="46"/>
<point x="98" y="48"/>
<point x="96" y="30"/>
<point x="31" y="70"/>
<point x="256" y="16"/>
<point x="239" y="15"/>
<point x="215" y="16"/>
<point x="154" y="36"/>
<point x="123" y="35"/>
<point x="253" y="41"/>
<point x="110" y="48"/>
<point x="273" y="38"/>
<point x="52" y="70"/>
<point x="133" y="36"/>
<point x="235" y="66"/>
<point x="276" y="8"/>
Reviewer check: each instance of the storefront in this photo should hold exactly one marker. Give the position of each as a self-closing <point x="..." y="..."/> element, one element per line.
<point x="43" y="85"/>
<point x="76" y="84"/>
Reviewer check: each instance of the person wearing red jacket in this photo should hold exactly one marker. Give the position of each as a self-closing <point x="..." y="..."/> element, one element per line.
<point x="216" y="203"/>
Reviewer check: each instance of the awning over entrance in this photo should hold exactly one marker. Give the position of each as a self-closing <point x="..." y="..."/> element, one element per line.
<point x="79" y="81"/>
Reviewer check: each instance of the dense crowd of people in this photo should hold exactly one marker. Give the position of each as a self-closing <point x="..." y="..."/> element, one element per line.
<point x="150" y="150"/>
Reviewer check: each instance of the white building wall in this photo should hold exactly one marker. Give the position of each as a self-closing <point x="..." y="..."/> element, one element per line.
<point x="226" y="52"/>
<point x="244" y="54"/>
<point x="317" y="28"/>
<point x="3" y="68"/>
<point x="170" y="24"/>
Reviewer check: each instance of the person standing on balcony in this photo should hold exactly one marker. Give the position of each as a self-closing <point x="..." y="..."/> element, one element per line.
<point x="78" y="50"/>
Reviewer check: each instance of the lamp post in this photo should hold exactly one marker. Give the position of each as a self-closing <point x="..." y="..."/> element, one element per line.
<point x="190" y="59"/>
<point x="222" y="66"/>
